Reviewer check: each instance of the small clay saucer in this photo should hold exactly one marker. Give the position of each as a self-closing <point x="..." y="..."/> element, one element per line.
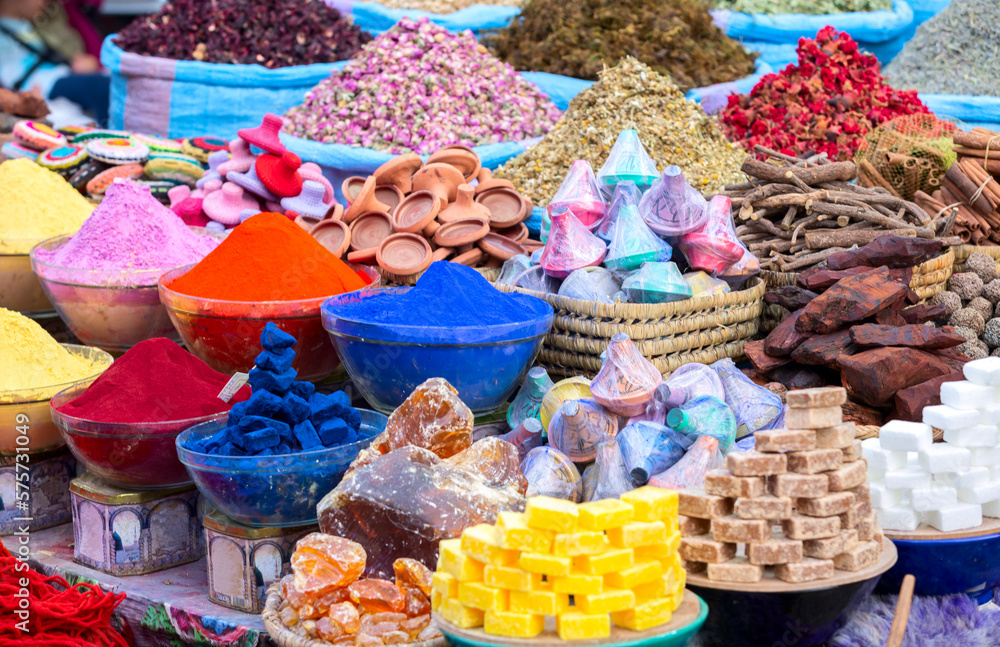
<point x="369" y="229"/>
<point x="507" y="207"/>
<point x="464" y="207"/>
<point x="442" y="253"/>
<point x="532" y="245"/>
<point x="332" y="234"/>
<point x="518" y="233"/>
<point x="461" y="157"/>
<point x="461" y="232"/>
<point x="336" y="212"/>
<point x="351" y="187"/>
<point x="365" y="201"/>
<point x="442" y="179"/>
<point x="499" y="247"/>
<point x="388" y="194"/>
<point x="307" y="222"/>
<point x="404" y="254"/>
<point x="470" y="258"/>
<point x="415" y="212"/>
<point x="363" y="256"/>
<point x="399" y="171"/>
<point x="486" y="182"/>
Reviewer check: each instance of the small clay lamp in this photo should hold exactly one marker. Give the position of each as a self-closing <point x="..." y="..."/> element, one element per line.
<point x="307" y="222"/>
<point x="240" y="161"/>
<point x="404" y="254"/>
<point x="507" y="207"/>
<point x="486" y="182"/>
<point x="364" y="201"/>
<point x="442" y="179"/>
<point x="388" y="194"/>
<point x="334" y="235"/>
<point x="442" y="253"/>
<point x="461" y="232"/>
<point x="280" y="174"/>
<point x="518" y="233"/>
<point x="363" y="256"/>
<point x="265" y="136"/>
<point x="461" y="157"/>
<point x="336" y="212"/>
<point x="351" y="187"/>
<point x="415" y="212"/>
<point x="499" y="247"/>
<point x="369" y="229"/>
<point x="464" y="207"/>
<point x="470" y="258"/>
<point x="399" y="172"/>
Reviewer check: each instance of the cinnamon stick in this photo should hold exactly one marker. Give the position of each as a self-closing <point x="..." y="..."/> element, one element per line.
<point x="844" y="171"/>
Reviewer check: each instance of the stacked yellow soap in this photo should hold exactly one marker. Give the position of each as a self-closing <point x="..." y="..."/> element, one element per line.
<point x="586" y="564"/>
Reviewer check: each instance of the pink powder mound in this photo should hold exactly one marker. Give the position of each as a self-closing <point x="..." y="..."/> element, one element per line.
<point x="129" y="239"/>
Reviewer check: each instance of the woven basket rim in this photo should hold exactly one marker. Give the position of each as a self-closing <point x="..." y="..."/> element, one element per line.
<point x="963" y="252"/>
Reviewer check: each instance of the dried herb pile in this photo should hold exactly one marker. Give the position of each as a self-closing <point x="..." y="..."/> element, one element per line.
<point x="825" y="104"/>
<point x="955" y="52"/>
<point x="272" y="33"/>
<point x="810" y="7"/>
<point x="629" y="95"/>
<point x="445" y="6"/>
<point x="582" y="37"/>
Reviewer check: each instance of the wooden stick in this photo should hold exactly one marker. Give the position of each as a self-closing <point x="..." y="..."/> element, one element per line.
<point x="786" y="222"/>
<point x="798" y="161"/>
<point x="809" y="259"/>
<point x="897" y="631"/>
<point x="845" y="171"/>
<point x="824" y="239"/>
<point x="877" y="178"/>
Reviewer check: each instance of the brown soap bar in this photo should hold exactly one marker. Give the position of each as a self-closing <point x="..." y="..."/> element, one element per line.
<point x="798" y="486"/>
<point x="863" y="555"/>
<point x="862" y="493"/>
<point x="739" y="569"/>
<point x="740" y="531"/>
<point x="693" y="503"/>
<point x="825" y="506"/>
<point x="855" y="514"/>
<point x="808" y="570"/>
<point x="764" y="507"/>
<point x="799" y="527"/>
<point x="693" y="526"/>
<point x="877" y="535"/>
<point x="836" y="437"/>
<point x="703" y="549"/>
<point x="815" y="461"/>
<point x="785" y="440"/>
<point x="826" y="548"/>
<point x="852" y="452"/>
<point x="722" y="483"/>
<point x="850" y="538"/>
<point x="693" y="567"/>
<point x="754" y="463"/>
<point x="849" y="476"/>
<point x="829" y="396"/>
<point x="866" y="528"/>
<point x="818" y="418"/>
<point x="775" y="551"/>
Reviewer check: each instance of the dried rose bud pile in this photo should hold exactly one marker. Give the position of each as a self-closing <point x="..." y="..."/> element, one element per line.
<point x="272" y="33"/>
<point x="417" y="88"/>
<point x="825" y="104"/>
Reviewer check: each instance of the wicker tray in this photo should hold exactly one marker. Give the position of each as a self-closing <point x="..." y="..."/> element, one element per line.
<point x="963" y="252"/>
<point x="284" y="637"/>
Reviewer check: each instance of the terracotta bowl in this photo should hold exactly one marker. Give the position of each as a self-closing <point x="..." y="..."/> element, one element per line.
<point x="507" y="207"/>
<point x="351" y="187"/>
<point x="461" y="157"/>
<point x="388" y="194"/>
<point x="306" y="222"/>
<point x="461" y="232"/>
<point x="486" y="182"/>
<point x="398" y="171"/>
<point x="499" y="247"/>
<point x="518" y="233"/>
<point x="470" y="258"/>
<point x="415" y="212"/>
<point x="442" y="179"/>
<point x="404" y="254"/>
<point x="363" y="256"/>
<point x="369" y="229"/>
<point x="334" y="235"/>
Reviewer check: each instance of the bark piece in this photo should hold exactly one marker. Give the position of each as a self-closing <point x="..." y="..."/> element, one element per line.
<point x="785" y="338"/>
<point x="851" y="300"/>
<point x="923" y="313"/>
<point x="875" y="376"/>
<point x="823" y="350"/>
<point x="761" y="361"/>
<point x="819" y="278"/>
<point x="910" y="402"/>
<point x="888" y="250"/>
<point x="861" y="414"/>
<point x="795" y="376"/>
<point x="791" y="297"/>
<point x="912" y="336"/>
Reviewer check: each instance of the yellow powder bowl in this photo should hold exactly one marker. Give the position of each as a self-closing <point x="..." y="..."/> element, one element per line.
<point x="20" y="289"/>
<point x="25" y="418"/>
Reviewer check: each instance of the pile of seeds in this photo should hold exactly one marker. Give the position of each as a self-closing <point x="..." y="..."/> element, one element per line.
<point x="272" y="33"/>
<point x="811" y="7"/>
<point x="445" y="6"/>
<point x="955" y="52"/>
<point x="417" y="88"/>
<point x="581" y="38"/>
<point x="630" y="95"/>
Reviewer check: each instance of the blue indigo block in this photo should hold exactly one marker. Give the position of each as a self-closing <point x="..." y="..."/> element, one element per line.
<point x="304" y="390"/>
<point x="324" y="408"/>
<point x="352" y="418"/>
<point x="294" y="409"/>
<point x="258" y="440"/>
<point x="306" y="435"/>
<point x="275" y="339"/>
<point x="263" y="403"/>
<point x="341" y="398"/>
<point x="278" y="362"/>
<point x="218" y="439"/>
<point x="252" y="423"/>
<point x="282" y="449"/>
<point x="230" y="449"/>
<point x="237" y="412"/>
<point x="274" y="382"/>
<point x="234" y="436"/>
<point x="267" y="451"/>
<point x="333" y="432"/>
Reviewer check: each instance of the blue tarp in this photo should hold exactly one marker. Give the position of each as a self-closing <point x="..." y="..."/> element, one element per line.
<point x="969" y="111"/>
<point x="377" y="18"/>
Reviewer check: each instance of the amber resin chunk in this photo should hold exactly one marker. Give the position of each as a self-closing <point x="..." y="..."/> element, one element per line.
<point x="754" y="463"/>
<point x="322" y="562"/>
<point x="799" y="527"/>
<point x="377" y="596"/>
<point x="774" y="508"/>
<point x="693" y="503"/>
<point x="722" y="483"/>
<point x="741" y="531"/>
<point x="702" y="549"/>
<point x="814" y="461"/>
<point x="432" y="417"/>
<point x="785" y="440"/>
<point x="825" y="506"/>
<point x="775" y="551"/>
<point x="817" y="418"/>
<point x="798" y="486"/>
<point x="738" y="569"/>
<point x="807" y="570"/>
<point x="830" y="396"/>
<point x="411" y="573"/>
<point x="862" y="555"/>
<point x="836" y="436"/>
<point x="693" y="526"/>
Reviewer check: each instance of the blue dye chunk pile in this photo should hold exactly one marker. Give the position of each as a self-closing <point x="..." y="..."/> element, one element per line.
<point x="282" y="416"/>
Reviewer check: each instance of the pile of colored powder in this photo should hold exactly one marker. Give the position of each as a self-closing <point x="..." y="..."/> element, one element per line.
<point x="31" y="359"/>
<point x="130" y="230"/>
<point x="268" y="258"/>
<point x="417" y="88"/>
<point x="155" y="381"/>
<point x="36" y="204"/>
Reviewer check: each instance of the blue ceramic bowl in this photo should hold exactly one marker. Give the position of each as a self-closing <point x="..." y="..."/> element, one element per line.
<point x="273" y="491"/>
<point x="386" y="363"/>
<point x="947" y="566"/>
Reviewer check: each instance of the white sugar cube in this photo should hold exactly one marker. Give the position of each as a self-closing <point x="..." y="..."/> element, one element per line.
<point x="898" y="518"/>
<point x="968" y="478"/>
<point x="987" y="456"/>
<point x="994" y="472"/>
<point x="976" y="436"/>
<point x="875" y="476"/>
<point x="882" y="460"/>
<point x="883" y="497"/>
<point x="923" y="499"/>
<point x="983" y="371"/>
<point x="966" y="395"/>
<point x="907" y="478"/>
<point x="956" y="517"/>
<point x="942" y="457"/>
<point x="992" y="509"/>
<point x="989" y="414"/>
<point x="902" y="436"/>
<point x="944" y="417"/>
<point x="980" y="494"/>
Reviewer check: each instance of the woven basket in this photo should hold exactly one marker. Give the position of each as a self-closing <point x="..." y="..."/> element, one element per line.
<point x="284" y="637"/>
<point x="703" y="329"/>
<point x="864" y="432"/>
<point x="963" y="252"/>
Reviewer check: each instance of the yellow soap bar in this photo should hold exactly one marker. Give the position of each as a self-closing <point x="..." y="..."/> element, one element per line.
<point x="616" y="559"/>
<point x="453" y="546"/>
<point x="679" y="583"/>
<point x="644" y="616"/>
<point x="479" y="596"/>
<point x="463" y="567"/>
<point x="660" y="551"/>
<point x="436" y="600"/>
<point x="652" y="503"/>
<point x="640" y="573"/>
<point x="513" y="625"/>
<point x="578" y="584"/>
<point x="580" y="626"/>
<point x="549" y="513"/>
<point x="543" y="603"/>
<point x="461" y="616"/>
<point x="672" y="563"/>
<point x="604" y="514"/>
<point x="544" y="564"/>
<point x="651" y="590"/>
<point x="445" y="583"/>
<point x="507" y="577"/>
<point x="674" y="601"/>
<point x="606" y="601"/>
<point x="586" y="542"/>
<point x="480" y="542"/>
<point x="638" y="533"/>
<point x="513" y="533"/>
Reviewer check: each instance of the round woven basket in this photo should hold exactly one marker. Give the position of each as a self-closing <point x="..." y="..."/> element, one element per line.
<point x="963" y="252"/>
<point x="703" y="329"/>
<point x="285" y="637"/>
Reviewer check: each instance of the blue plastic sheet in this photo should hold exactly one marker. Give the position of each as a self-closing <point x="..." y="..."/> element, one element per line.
<point x="969" y="111"/>
<point x="377" y="18"/>
<point x="714" y="97"/>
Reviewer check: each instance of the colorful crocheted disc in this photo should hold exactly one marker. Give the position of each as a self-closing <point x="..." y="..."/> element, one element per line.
<point x="158" y="143"/>
<point x="201" y="147"/>
<point x="118" y="151"/>
<point x="71" y="132"/>
<point x="63" y="158"/>
<point x="100" y="182"/>
<point x="13" y="150"/>
<point x="180" y="157"/>
<point x="37" y="136"/>
<point x="97" y="133"/>
<point x="87" y="171"/>
<point x="185" y="171"/>
<point x="159" y="188"/>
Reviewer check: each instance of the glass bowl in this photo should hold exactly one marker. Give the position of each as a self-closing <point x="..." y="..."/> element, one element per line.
<point x="131" y="455"/>
<point x="272" y="491"/>
<point x="19" y="287"/>
<point x="28" y="410"/>
<point x="226" y="334"/>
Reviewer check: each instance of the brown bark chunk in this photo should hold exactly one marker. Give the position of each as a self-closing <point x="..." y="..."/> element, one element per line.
<point x="910" y="402"/>
<point x="785" y="338"/>
<point x="923" y="313"/>
<point x="888" y="250"/>
<point x="913" y="336"/>
<point x="791" y="297"/>
<point x="823" y="350"/>
<point x="875" y="376"/>
<point x="761" y="361"/>
<point x="849" y="301"/>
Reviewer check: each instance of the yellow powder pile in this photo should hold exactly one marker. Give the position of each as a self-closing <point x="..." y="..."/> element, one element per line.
<point x="36" y="204"/>
<point x="30" y="358"/>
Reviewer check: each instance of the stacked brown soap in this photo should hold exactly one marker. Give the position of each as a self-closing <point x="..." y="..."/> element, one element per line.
<point x="799" y="503"/>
